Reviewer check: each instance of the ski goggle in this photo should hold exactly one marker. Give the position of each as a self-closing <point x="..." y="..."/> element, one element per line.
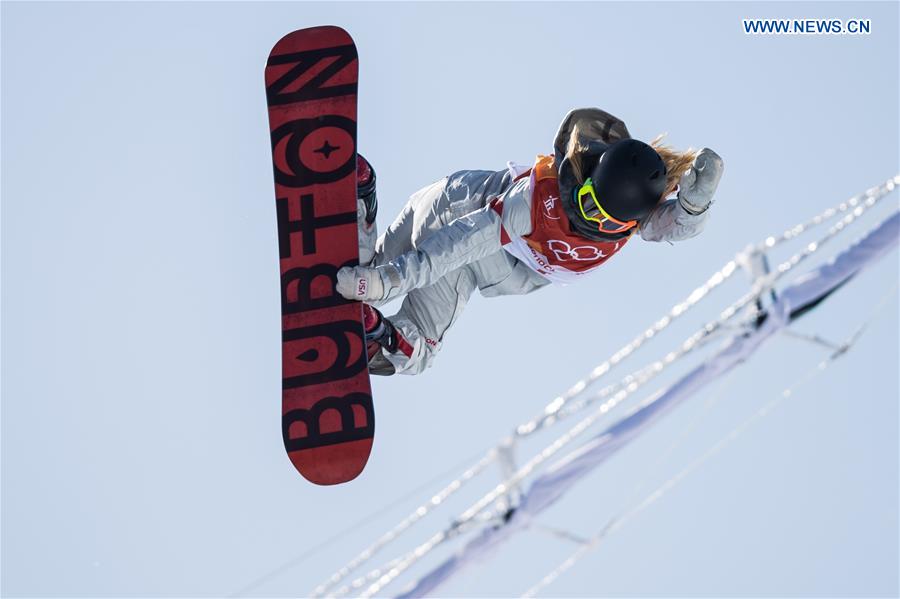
<point x="591" y="210"/>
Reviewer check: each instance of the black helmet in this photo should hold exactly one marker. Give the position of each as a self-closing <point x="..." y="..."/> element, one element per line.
<point x="629" y="179"/>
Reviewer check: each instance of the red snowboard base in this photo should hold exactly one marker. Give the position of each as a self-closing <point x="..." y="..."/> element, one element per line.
<point x="328" y="421"/>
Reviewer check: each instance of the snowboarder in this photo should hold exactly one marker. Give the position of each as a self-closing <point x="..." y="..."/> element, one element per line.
<point x="517" y="230"/>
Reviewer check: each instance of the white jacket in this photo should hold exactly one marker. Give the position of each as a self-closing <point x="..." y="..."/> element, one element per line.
<point x="455" y="225"/>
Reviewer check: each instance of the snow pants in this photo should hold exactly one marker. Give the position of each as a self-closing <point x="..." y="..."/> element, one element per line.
<point x="426" y="313"/>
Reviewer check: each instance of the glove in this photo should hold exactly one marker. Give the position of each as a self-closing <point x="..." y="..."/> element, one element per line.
<point x="360" y="283"/>
<point x="699" y="183"/>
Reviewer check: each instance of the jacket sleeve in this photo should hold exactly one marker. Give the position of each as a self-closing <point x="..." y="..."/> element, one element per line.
<point x="671" y="222"/>
<point x="460" y="242"/>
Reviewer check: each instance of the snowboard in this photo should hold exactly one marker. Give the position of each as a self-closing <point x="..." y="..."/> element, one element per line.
<point x="327" y="416"/>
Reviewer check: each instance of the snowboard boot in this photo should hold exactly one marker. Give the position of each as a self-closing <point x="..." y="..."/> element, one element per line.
<point x="380" y="334"/>
<point x="366" y="210"/>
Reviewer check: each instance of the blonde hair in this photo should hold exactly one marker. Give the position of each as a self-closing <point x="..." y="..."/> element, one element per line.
<point x="677" y="162"/>
<point x="582" y="133"/>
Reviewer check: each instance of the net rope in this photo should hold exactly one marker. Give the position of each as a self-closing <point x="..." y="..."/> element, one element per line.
<point x="617" y="522"/>
<point x="563" y="406"/>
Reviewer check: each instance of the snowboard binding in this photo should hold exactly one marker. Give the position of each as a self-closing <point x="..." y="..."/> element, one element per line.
<point x="366" y="209"/>
<point x="365" y="188"/>
<point x="380" y="334"/>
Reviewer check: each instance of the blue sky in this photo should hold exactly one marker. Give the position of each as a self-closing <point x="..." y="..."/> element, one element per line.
<point x="141" y="448"/>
